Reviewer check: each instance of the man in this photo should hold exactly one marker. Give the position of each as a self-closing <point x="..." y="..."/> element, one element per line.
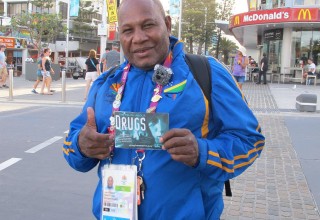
<point x="113" y="57"/>
<point x="205" y="146"/>
<point x="3" y="67"/>
<point x="103" y="62"/>
<point x="311" y="69"/>
<point x="263" y="69"/>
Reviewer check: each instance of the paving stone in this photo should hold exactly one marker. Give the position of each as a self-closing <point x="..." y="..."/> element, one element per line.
<point x="274" y="187"/>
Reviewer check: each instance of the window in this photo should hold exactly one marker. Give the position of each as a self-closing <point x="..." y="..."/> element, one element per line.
<point x="305" y="43"/>
<point x="16" y="8"/>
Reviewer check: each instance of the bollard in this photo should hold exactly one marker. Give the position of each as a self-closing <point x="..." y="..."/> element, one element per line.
<point x="10" y="84"/>
<point x="63" y="86"/>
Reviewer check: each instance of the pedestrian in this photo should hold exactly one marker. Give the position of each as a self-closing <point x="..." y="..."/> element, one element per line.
<point x="39" y="74"/>
<point x="311" y="69"/>
<point x="103" y="61"/>
<point x="93" y="70"/>
<point x="46" y="70"/>
<point x="3" y="67"/>
<point x="239" y="66"/>
<point x="113" y="57"/>
<point x="263" y="69"/>
<point x="205" y="146"/>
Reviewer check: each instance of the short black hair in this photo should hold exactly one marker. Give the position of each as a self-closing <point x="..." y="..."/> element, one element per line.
<point x="107" y="48"/>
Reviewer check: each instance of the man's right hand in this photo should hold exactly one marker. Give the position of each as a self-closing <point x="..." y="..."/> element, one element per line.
<point x="93" y="144"/>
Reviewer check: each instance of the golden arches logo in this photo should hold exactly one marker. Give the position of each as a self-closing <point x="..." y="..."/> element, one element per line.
<point x="236" y="20"/>
<point x="304" y="13"/>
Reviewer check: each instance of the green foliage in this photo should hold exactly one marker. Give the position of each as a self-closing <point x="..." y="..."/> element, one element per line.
<point x="226" y="47"/>
<point x="198" y="22"/>
<point x="42" y="26"/>
<point x="82" y="23"/>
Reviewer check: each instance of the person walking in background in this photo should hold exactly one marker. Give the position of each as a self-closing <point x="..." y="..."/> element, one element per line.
<point x="113" y="57"/>
<point x="46" y="70"/>
<point x="197" y="155"/>
<point x="239" y="66"/>
<point x="39" y="74"/>
<point x="93" y="70"/>
<point x="103" y="61"/>
<point x="3" y="67"/>
<point x="263" y="69"/>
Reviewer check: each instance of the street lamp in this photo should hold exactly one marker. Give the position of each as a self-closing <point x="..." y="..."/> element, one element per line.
<point x="180" y="20"/>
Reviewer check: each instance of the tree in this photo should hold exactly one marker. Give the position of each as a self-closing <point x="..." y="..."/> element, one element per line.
<point x="197" y="23"/>
<point x="226" y="46"/>
<point x="42" y="25"/>
<point x="224" y="11"/>
<point x="82" y="23"/>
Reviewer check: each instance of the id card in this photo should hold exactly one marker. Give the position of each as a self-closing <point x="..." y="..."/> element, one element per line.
<point x="119" y="192"/>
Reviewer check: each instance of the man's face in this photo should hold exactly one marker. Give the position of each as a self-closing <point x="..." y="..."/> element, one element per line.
<point x="110" y="182"/>
<point x="156" y="130"/>
<point x="144" y="33"/>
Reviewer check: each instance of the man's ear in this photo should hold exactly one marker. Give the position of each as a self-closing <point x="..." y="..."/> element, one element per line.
<point x="168" y="23"/>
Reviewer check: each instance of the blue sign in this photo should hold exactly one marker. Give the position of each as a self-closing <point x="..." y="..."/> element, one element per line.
<point x="174" y="8"/>
<point x="74" y="8"/>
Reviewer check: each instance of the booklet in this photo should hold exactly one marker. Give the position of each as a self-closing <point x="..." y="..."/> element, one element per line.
<point x="140" y="130"/>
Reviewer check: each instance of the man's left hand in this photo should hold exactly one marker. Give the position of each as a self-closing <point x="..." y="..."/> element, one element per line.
<point x="182" y="145"/>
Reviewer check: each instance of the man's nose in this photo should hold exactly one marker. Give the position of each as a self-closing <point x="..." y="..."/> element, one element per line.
<point x="139" y="36"/>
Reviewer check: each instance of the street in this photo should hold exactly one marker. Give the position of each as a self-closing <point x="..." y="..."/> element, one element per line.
<point x="35" y="180"/>
<point x="37" y="183"/>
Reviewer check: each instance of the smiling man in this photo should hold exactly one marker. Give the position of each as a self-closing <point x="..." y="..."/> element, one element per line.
<point x="205" y="145"/>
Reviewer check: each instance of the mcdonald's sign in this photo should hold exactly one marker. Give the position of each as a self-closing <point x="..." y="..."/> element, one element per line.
<point x="236" y="20"/>
<point x="274" y="16"/>
<point x="304" y="13"/>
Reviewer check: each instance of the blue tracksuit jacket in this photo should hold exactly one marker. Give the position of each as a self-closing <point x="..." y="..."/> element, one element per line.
<point x="229" y="138"/>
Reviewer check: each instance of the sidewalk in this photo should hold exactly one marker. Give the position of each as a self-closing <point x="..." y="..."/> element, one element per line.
<point x="275" y="187"/>
<point x="23" y="97"/>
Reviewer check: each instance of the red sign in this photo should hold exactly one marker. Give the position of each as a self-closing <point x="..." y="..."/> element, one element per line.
<point x="8" y="41"/>
<point x="112" y="31"/>
<point x="275" y="16"/>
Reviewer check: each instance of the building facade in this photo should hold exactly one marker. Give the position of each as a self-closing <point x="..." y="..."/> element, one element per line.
<point x="288" y="31"/>
<point x="83" y="33"/>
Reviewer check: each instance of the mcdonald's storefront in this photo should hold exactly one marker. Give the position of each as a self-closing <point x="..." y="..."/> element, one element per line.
<point x="287" y="35"/>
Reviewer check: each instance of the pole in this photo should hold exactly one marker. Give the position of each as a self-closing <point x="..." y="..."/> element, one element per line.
<point x="180" y="20"/>
<point x="10" y="84"/>
<point x="67" y="37"/>
<point x="219" y="35"/>
<point x="63" y="82"/>
<point x="103" y="38"/>
<point x="205" y="24"/>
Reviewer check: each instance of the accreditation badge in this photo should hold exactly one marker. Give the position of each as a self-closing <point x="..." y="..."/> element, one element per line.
<point x="119" y="192"/>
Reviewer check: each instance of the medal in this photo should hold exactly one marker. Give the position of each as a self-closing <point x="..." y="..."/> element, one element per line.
<point x="116" y="104"/>
<point x="112" y="121"/>
<point x="156" y="98"/>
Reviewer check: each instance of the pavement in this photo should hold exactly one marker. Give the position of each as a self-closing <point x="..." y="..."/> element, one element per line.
<point x="282" y="184"/>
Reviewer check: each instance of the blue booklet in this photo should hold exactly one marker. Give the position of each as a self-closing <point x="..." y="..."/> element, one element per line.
<point x="140" y="130"/>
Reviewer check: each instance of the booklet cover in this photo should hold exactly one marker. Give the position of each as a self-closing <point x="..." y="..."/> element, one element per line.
<point x="140" y="130"/>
